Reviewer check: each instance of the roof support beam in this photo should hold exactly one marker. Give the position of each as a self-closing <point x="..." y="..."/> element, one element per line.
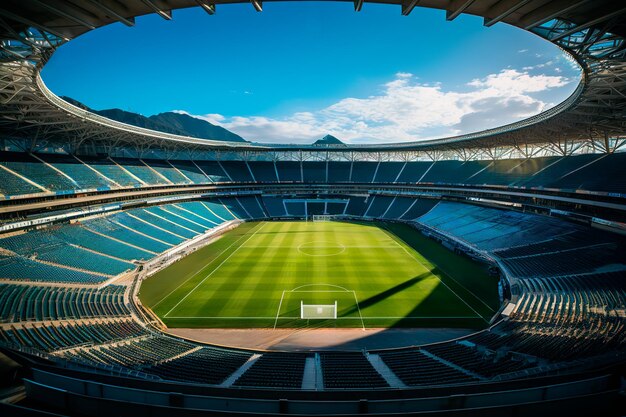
<point x="408" y="6"/>
<point x="17" y="18"/>
<point x="502" y="9"/>
<point x="165" y="14"/>
<point x="358" y="4"/>
<point x="549" y="11"/>
<point x="66" y="13"/>
<point x="130" y="21"/>
<point x="257" y="4"/>
<point x="456" y="8"/>
<point x="589" y="24"/>
<point x="208" y="7"/>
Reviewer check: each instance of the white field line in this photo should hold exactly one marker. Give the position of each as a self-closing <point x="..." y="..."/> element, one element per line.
<point x="338" y="318"/>
<point x="323" y="291"/>
<point x="279" y="306"/>
<point x="359" y="310"/>
<point x="199" y="270"/>
<point x="323" y="246"/>
<point x="212" y="272"/>
<point x="446" y="285"/>
<point x="449" y="276"/>
<point x="463" y="286"/>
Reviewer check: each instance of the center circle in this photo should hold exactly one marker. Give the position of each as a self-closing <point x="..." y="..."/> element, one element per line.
<point x="321" y="249"/>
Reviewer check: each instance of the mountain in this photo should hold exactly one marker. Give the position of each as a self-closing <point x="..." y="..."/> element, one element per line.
<point x="169" y="122"/>
<point x="195" y="127"/>
<point x="328" y="140"/>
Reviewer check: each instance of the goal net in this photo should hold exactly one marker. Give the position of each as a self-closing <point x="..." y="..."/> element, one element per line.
<point x="322" y="217"/>
<point x="318" y="311"/>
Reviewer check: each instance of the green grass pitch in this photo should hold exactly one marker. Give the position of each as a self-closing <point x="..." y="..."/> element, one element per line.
<point x="380" y="274"/>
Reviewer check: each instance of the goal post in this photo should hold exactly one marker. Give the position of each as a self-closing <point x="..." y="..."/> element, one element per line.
<point x="318" y="311"/>
<point x="323" y="217"/>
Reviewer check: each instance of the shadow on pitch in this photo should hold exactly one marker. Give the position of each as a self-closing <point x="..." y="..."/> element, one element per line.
<point x="368" y="302"/>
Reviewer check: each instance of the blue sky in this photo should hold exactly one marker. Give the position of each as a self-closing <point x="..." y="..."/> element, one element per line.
<point x="298" y="71"/>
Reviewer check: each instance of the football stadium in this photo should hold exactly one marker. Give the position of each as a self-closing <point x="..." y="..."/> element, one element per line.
<point x="151" y="272"/>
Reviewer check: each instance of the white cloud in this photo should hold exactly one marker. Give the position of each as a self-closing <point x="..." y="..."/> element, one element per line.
<point x="406" y="110"/>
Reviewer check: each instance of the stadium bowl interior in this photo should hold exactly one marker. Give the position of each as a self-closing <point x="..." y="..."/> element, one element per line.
<point x="92" y="207"/>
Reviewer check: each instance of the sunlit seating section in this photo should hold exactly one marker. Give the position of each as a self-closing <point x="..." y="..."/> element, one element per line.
<point x="78" y="234"/>
<point x="218" y="209"/>
<point x="196" y="211"/>
<point x="570" y="298"/>
<point x="167" y="170"/>
<point x="184" y="217"/>
<point x="109" y="226"/>
<point x="46" y="246"/>
<point x="24" y="269"/>
<point x="38" y="172"/>
<point x="83" y="176"/>
<point x="491" y="229"/>
<point x="20" y="303"/>
<point x="136" y="354"/>
<point x="164" y="221"/>
<point x="11" y="184"/>
<point x="141" y="171"/>
<point x="112" y="171"/>
<point x="59" y="336"/>
<point x="134" y="220"/>
<point x="190" y="170"/>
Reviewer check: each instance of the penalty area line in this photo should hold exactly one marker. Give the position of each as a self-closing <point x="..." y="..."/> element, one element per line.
<point x="198" y="271"/>
<point x="278" y="312"/>
<point x="358" y="309"/>
<point x="212" y="272"/>
<point x="478" y="315"/>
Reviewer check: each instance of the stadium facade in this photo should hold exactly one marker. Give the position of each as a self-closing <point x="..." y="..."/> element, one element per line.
<point x="92" y="206"/>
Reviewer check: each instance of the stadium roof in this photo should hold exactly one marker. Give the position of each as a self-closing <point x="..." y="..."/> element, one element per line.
<point x="592" y="31"/>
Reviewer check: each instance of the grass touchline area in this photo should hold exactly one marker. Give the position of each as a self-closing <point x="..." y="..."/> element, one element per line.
<point x="380" y="275"/>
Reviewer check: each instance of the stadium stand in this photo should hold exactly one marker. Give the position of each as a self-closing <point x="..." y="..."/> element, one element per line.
<point x="541" y="201"/>
<point x="206" y="365"/>
<point x="275" y="370"/>
<point x="22" y="303"/>
<point x="350" y="370"/>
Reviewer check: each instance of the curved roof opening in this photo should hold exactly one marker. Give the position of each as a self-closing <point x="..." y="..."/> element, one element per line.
<point x="297" y="72"/>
